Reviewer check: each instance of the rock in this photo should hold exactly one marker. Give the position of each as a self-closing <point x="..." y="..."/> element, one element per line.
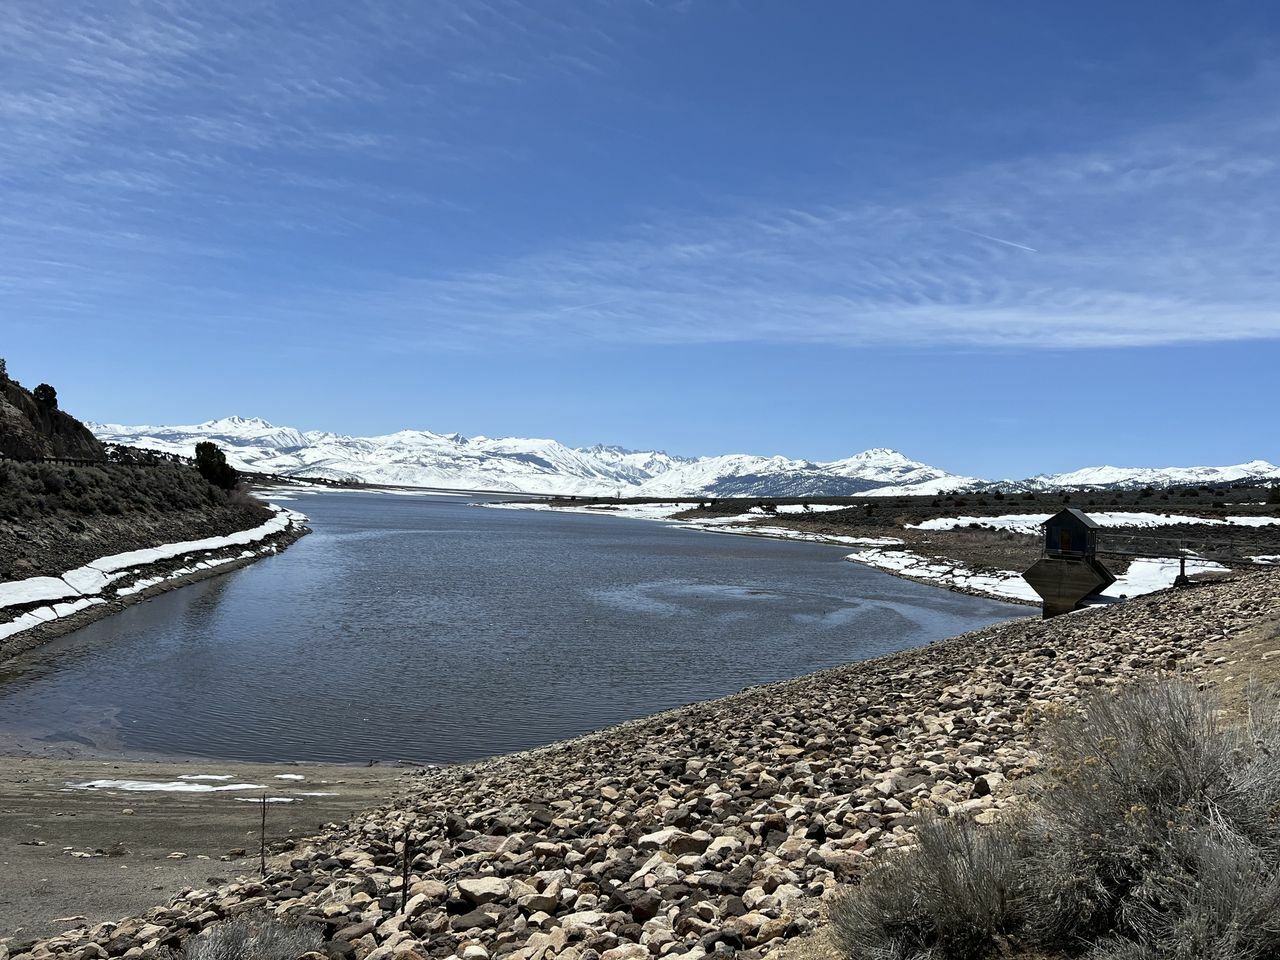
<point x="629" y="951"/>
<point x="430" y="890"/>
<point x="481" y="890"/>
<point x="675" y="841"/>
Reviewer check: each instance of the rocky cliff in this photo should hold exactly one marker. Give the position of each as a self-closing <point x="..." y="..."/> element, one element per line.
<point x="30" y="428"/>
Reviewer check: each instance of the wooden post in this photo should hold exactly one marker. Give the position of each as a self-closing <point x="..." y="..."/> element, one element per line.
<point x="262" y="836"/>
<point x="407" y="857"/>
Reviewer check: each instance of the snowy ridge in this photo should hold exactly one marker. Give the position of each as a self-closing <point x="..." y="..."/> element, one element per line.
<point x="516" y="465"/>
<point x="1125" y="478"/>
<point x="520" y="465"/>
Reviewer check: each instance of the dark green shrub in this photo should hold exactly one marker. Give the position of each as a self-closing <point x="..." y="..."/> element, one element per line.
<point x="46" y="396"/>
<point x="213" y="466"/>
<point x="52" y="479"/>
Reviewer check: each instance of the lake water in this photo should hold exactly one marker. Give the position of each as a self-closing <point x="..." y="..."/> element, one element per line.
<point x="428" y="629"/>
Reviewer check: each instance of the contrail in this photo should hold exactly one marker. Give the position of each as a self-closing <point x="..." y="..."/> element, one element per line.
<point x="1007" y="243"/>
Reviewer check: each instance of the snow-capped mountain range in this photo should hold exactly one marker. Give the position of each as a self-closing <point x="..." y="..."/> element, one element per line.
<point x="451" y="461"/>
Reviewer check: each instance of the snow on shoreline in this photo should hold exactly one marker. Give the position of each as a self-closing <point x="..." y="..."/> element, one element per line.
<point x="996" y="584"/>
<point x="1030" y="523"/>
<point x="888" y="553"/>
<point x="296" y="489"/>
<point x="79" y="589"/>
<point x="877" y="552"/>
<point x="181" y="785"/>
<point x="629" y="511"/>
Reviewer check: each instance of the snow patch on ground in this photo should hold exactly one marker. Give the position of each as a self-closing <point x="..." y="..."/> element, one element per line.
<point x="786" y="533"/>
<point x="61" y="610"/>
<point x="884" y="553"/>
<point x="799" y="508"/>
<point x="997" y="584"/>
<point x="169" y="786"/>
<point x="1030" y="523"/>
<point x="35" y="590"/>
<point x="630" y="511"/>
<point x="1146" y="575"/>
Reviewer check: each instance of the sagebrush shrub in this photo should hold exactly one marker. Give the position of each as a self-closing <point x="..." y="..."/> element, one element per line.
<point x="1154" y="834"/>
<point x="254" y="937"/>
<point x="951" y="896"/>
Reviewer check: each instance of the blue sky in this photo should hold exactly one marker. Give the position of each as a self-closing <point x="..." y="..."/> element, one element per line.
<point x="1003" y="238"/>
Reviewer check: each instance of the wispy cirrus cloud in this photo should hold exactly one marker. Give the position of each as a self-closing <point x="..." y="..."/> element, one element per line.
<point x="156" y="153"/>
<point x="1154" y="239"/>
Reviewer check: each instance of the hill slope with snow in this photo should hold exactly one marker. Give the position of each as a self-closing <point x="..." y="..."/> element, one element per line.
<point x="1128" y="478"/>
<point x="515" y="465"/>
<point x="423" y="458"/>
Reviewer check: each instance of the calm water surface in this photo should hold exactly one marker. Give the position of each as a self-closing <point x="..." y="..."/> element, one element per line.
<point x="425" y="628"/>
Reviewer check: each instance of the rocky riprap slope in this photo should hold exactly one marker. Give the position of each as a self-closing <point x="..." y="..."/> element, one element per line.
<point x="713" y="829"/>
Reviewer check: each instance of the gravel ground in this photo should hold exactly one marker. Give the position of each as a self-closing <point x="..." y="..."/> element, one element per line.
<point x="720" y="828"/>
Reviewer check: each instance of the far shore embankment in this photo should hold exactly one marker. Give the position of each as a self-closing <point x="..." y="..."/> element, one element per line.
<point x="977" y="546"/>
<point x="39" y="609"/>
<point x="721" y="828"/>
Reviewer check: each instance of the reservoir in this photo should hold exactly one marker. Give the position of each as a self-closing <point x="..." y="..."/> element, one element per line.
<point x="429" y="629"/>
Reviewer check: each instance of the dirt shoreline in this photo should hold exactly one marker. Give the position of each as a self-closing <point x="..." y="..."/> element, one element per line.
<point x="44" y="823"/>
<point x="38" y="635"/>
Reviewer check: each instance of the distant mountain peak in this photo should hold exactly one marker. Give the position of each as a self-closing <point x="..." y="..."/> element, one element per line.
<point x="530" y="465"/>
<point x="238" y="421"/>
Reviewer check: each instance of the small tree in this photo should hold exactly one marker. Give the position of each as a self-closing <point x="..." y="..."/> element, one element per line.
<point x="213" y="466"/>
<point x="4" y="370"/>
<point x="46" y="396"/>
<point x="1274" y="495"/>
